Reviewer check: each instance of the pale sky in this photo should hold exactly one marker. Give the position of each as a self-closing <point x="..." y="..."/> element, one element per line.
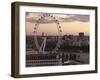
<point x="70" y="24"/>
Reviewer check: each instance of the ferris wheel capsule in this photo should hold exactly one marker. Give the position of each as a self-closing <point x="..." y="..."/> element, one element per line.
<point x="51" y="16"/>
<point x="34" y="32"/>
<point x="35" y="24"/>
<point x="38" y="19"/>
<point x="48" y="14"/>
<point x="34" y="28"/>
<point x="57" y="22"/>
<point x="60" y="30"/>
<point x="43" y="15"/>
<point x="59" y="26"/>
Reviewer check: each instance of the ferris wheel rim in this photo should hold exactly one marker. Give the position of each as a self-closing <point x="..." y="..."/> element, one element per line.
<point x="58" y="27"/>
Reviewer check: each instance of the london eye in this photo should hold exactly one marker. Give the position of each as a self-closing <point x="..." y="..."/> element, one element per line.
<point x="41" y="47"/>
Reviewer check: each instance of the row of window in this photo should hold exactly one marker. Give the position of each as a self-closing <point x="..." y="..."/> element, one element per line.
<point x="30" y="57"/>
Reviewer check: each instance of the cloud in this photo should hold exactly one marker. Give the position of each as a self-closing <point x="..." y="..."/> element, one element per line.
<point x="42" y="21"/>
<point x="81" y="18"/>
<point x="60" y="18"/>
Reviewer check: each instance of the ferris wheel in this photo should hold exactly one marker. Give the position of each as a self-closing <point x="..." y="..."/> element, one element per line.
<point x="41" y="47"/>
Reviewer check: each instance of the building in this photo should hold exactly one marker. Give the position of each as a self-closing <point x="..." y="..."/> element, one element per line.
<point x="42" y="60"/>
<point x="81" y="34"/>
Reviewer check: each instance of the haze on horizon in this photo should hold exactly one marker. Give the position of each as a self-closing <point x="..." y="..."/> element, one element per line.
<point x="70" y="24"/>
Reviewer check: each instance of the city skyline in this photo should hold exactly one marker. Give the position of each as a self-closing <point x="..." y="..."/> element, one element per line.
<point x="61" y="35"/>
<point x="70" y="24"/>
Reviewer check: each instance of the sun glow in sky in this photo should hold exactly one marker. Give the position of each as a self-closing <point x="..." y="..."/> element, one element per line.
<point x="70" y="24"/>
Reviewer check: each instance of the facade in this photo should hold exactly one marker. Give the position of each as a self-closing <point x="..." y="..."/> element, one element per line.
<point x="42" y="60"/>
